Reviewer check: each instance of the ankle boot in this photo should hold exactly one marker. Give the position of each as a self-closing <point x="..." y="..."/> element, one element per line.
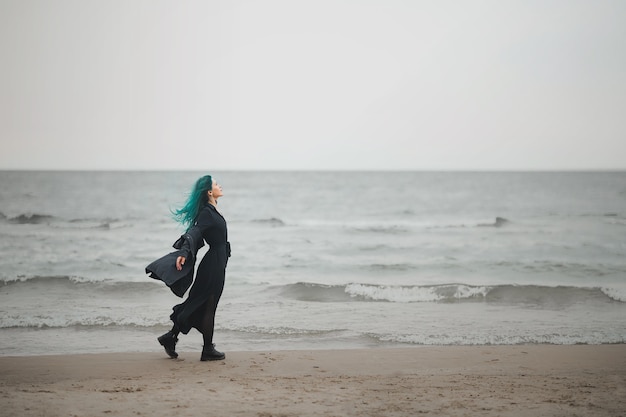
<point x="210" y="354"/>
<point x="168" y="341"/>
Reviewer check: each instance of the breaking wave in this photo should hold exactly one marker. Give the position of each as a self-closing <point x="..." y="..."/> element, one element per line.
<point x="506" y="294"/>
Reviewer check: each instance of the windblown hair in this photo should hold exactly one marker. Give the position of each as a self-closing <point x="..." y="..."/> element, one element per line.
<point x="187" y="214"/>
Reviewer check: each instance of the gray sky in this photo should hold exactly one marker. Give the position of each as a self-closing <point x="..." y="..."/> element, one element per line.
<point x="288" y="84"/>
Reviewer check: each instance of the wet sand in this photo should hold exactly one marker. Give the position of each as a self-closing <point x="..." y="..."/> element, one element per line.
<point x="532" y="380"/>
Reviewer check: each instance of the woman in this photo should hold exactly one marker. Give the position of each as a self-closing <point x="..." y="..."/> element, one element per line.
<point x="200" y="216"/>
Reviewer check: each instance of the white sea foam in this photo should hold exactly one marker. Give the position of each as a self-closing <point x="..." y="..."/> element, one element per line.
<point x="617" y="294"/>
<point x="503" y="339"/>
<point x="408" y="294"/>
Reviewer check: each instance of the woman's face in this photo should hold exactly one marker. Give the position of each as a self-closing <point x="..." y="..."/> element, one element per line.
<point x="216" y="192"/>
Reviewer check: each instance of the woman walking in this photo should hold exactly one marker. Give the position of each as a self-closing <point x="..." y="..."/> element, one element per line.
<point x="204" y="223"/>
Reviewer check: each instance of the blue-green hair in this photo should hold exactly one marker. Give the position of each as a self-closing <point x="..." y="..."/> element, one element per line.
<point x="187" y="214"/>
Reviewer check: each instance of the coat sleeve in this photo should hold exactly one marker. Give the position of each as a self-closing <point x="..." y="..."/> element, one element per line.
<point x="189" y="243"/>
<point x="164" y="269"/>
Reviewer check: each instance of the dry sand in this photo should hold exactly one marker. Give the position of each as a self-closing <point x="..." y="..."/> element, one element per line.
<point x="534" y="380"/>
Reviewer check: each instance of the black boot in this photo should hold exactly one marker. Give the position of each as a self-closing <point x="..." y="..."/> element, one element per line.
<point x="211" y="354"/>
<point x="168" y="341"/>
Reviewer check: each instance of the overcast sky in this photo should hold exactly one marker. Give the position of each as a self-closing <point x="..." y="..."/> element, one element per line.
<point x="289" y="84"/>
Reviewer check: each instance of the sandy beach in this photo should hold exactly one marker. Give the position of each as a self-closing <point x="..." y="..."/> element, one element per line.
<point x="532" y="380"/>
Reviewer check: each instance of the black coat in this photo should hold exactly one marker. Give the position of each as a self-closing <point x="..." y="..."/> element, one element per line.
<point x="209" y="281"/>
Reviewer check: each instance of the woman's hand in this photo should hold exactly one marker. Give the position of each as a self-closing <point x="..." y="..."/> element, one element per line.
<point x="180" y="261"/>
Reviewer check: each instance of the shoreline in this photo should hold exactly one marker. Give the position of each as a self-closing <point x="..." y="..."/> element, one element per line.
<point x="509" y="380"/>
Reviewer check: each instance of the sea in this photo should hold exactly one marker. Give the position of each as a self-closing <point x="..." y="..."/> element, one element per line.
<point x="320" y="260"/>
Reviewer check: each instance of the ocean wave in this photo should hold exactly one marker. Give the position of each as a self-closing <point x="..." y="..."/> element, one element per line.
<point x="593" y="214"/>
<point x="31" y="219"/>
<point x="57" y="222"/>
<point x="505" y="294"/>
<point x="616" y="221"/>
<point x="306" y="291"/>
<point x="41" y="278"/>
<point x="391" y="267"/>
<point x="404" y="227"/>
<point x="497" y="223"/>
<point x="84" y="323"/>
<point x="279" y="331"/>
<point x="614" y="294"/>
<point x="91" y="225"/>
<point x="105" y="223"/>
<point x="564" y="268"/>
<point x="374" y="247"/>
<point x="490" y="339"/>
<point x="272" y="221"/>
<point x="391" y="229"/>
<point x="74" y="281"/>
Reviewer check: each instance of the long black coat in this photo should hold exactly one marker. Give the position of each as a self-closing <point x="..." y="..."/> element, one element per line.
<point x="209" y="281"/>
